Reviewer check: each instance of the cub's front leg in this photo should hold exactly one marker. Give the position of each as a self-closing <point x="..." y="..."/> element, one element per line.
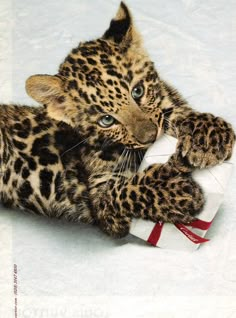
<point x="203" y="139"/>
<point x="162" y="192"/>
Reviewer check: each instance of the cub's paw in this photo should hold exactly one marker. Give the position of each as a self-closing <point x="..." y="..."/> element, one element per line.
<point x="205" y="140"/>
<point x="179" y="199"/>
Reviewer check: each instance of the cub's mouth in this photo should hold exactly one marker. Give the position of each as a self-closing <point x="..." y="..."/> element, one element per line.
<point x="138" y="147"/>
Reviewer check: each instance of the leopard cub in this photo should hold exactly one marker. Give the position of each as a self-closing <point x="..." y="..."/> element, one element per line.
<point x="76" y="156"/>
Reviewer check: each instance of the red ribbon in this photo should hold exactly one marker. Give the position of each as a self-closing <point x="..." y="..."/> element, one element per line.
<point x="196" y="239"/>
<point x="202" y="225"/>
<point x="156" y="233"/>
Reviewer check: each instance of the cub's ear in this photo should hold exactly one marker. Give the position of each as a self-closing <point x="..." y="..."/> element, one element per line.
<point x="48" y="90"/>
<point x="122" y="30"/>
<point x="44" y="88"/>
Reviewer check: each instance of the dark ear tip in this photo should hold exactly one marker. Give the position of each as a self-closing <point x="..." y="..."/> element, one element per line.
<point x="125" y="8"/>
<point x="123" y="5"/>
<point x="119" y="25"/>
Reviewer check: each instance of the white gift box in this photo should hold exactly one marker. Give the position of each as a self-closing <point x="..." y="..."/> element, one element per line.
<point x="212" y="180"/>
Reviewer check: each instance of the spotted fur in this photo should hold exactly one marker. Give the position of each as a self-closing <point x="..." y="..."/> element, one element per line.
<point x="77" y="156"/>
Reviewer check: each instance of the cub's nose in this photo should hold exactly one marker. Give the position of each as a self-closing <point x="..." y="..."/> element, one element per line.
<point x="147" y="133"/>
<point x="149" y="137"/>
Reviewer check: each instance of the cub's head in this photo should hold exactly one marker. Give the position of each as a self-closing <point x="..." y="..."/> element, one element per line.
<point x="108" y="88"/>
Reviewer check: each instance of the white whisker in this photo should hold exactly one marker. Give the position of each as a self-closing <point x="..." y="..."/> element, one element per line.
<point x="170" y="125"/>
<point x="79" y="143"/>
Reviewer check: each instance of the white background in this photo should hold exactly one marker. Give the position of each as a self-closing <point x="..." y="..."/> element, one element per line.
<point x="69" y="270"/>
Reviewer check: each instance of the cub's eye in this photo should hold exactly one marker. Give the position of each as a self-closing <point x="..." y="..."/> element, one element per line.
<point x="137" y="91"/>
<point x="106" y="121"/>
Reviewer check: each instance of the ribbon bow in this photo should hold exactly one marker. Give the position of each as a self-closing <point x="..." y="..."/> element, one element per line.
<point x="196" y="239"/>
